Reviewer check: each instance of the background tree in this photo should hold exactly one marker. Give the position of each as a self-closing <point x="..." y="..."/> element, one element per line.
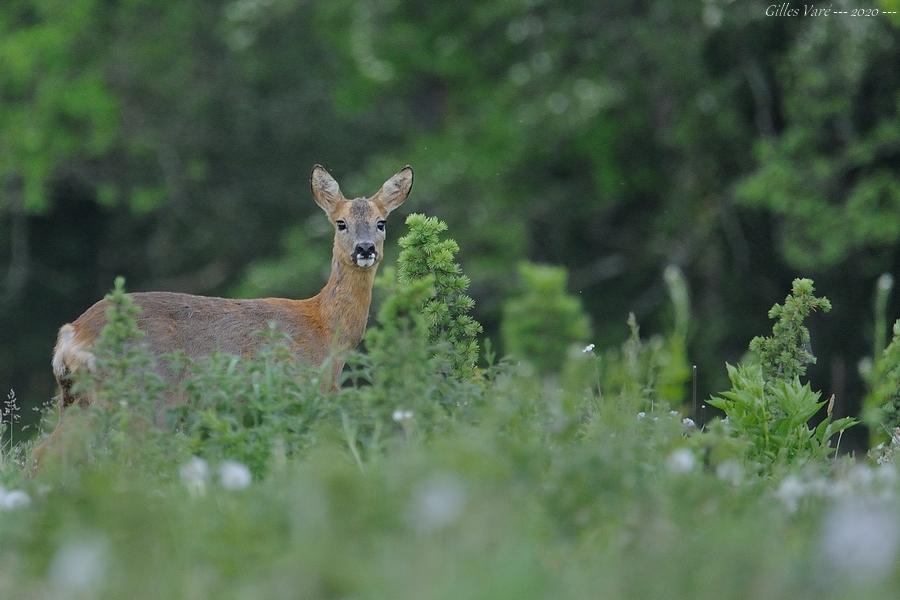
<point x="171" y="141"/>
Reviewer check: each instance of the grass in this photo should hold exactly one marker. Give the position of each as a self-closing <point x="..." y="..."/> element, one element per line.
<point x="411" y="483"/>
<point x="515" y="503"/>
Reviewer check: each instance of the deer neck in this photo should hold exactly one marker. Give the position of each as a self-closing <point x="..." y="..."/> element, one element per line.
<point x="344" y="303"/>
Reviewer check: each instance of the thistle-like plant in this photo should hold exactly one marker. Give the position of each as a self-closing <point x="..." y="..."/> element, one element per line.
<point x="767" y="406"/>
<point x="125" y="369"/>
<point x="785" y="354"/>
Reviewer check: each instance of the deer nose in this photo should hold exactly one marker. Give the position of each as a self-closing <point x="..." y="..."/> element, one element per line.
<point x="365" y="249"/>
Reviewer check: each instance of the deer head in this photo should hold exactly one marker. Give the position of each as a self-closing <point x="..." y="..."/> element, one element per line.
<point x="359" y="224"/>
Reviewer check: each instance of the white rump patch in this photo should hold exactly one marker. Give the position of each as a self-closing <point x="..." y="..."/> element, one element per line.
<point x="70" y="355"/>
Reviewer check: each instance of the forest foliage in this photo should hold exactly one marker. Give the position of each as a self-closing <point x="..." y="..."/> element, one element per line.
<point x="171" y="142"/>
<point x="662" y="171"/>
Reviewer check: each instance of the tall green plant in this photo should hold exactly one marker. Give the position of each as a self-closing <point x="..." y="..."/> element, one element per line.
<point x="399" y="391"/>
<point x="125" y="369"/>
<point x="882" y="294"/>
<point x="649" y="373"/>
<point x="786" y="353"/>
<point x="125" y="387"/>
<point x="425" y="253"/>
<point x="771" y="417"/>
<point x="543" y="320"/>
<point x="882" y="405"/>
<point x="767" y="406"/>
<point x="401" y="336"/>
<point x="881" y="408"/>
<point x="675" y="369"/>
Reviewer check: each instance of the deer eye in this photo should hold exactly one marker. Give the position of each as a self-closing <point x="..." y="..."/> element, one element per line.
<point x="380" y="225"/>
<point x="341" y="225"/>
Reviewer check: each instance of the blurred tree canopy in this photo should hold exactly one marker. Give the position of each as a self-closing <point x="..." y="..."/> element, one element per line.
<point x="170" y="141"/>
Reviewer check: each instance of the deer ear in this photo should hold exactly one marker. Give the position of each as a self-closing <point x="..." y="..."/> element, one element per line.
<point x="325" y="190"/>
<point x="395" y="190"/>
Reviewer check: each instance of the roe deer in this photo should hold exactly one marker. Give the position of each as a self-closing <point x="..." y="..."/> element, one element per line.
<point x="321" y="327"/>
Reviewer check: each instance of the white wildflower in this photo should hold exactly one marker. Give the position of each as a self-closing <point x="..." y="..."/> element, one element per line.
<point x="688" y="424"/>
<point x="883" y="453"/>
<point x="864" y="366"/>
<point x="885" y="282"/>
<point x="730" y="471"/>
<point x="790" y="492"/>
<point x="13" y="499"/>
<point x="588" y="348"/>
<point x="674" y="413"/>
<point x="860" y="541"/>
<point x="880" y="454"/>
<point x="681" y="461"/>
<point x="840" y="488"/>
<point x="194" y="475"/>
<point x="79" y="567"/>
<point x="234" y="475"/>
<point x="822" y="487"/>
<point x="437" y="503"/>
<point x="861" y="477"/>
<point x="641" y="415"/>
<point x="400" y="415"/>
<point x="886" y="474"/>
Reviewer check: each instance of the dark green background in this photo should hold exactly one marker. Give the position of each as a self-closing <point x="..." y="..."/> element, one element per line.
<point x="170" y="142"/>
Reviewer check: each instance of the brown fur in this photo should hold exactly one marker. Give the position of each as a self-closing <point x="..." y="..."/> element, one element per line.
<point x="321" y="327"/>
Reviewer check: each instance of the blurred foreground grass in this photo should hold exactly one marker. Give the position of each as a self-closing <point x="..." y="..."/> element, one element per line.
<point x="416" y="481"/>
<point x="541" y="492"/>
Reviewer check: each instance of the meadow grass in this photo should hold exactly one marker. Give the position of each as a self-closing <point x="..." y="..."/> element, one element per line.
<point x="532" y="491"/>
<point x="414" y="482"/>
